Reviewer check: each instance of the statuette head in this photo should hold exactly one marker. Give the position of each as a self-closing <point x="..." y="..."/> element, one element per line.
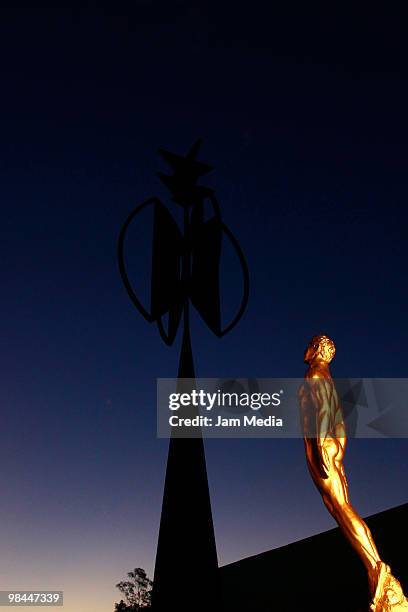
<point x="319" y="348"/>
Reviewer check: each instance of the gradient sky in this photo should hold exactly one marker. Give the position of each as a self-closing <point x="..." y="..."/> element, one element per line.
<point x="303" y="116"/>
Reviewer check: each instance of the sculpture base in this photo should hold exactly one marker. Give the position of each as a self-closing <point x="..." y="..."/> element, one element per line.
<point x="389" y="596"/>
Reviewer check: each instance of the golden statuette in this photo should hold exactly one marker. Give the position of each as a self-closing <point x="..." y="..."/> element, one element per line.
<point x="325" y="442"/>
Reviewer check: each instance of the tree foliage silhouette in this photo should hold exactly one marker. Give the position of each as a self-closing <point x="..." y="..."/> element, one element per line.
<point x="137" y="592"/>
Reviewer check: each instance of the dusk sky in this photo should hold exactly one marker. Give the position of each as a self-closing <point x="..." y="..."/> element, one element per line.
<point x="303" y="115"/>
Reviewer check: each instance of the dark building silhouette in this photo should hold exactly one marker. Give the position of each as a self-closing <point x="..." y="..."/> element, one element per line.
<point x="321" y="573"/>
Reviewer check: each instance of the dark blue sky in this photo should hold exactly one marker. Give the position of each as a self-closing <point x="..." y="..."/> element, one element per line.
<point x="303" y="116"/>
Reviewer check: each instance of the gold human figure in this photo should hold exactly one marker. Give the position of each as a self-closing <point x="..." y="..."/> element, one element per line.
<point x="325" y="442"/>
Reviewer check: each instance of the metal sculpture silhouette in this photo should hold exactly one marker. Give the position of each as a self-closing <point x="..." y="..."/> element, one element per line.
<point x="185" y="269"/>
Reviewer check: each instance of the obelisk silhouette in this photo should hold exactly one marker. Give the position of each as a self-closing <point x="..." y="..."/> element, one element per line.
<point x="186" y="559"/>
<point x="185" y="268"/>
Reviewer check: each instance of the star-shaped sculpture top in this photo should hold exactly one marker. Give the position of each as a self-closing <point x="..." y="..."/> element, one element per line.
<point x="186" y="171"/>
